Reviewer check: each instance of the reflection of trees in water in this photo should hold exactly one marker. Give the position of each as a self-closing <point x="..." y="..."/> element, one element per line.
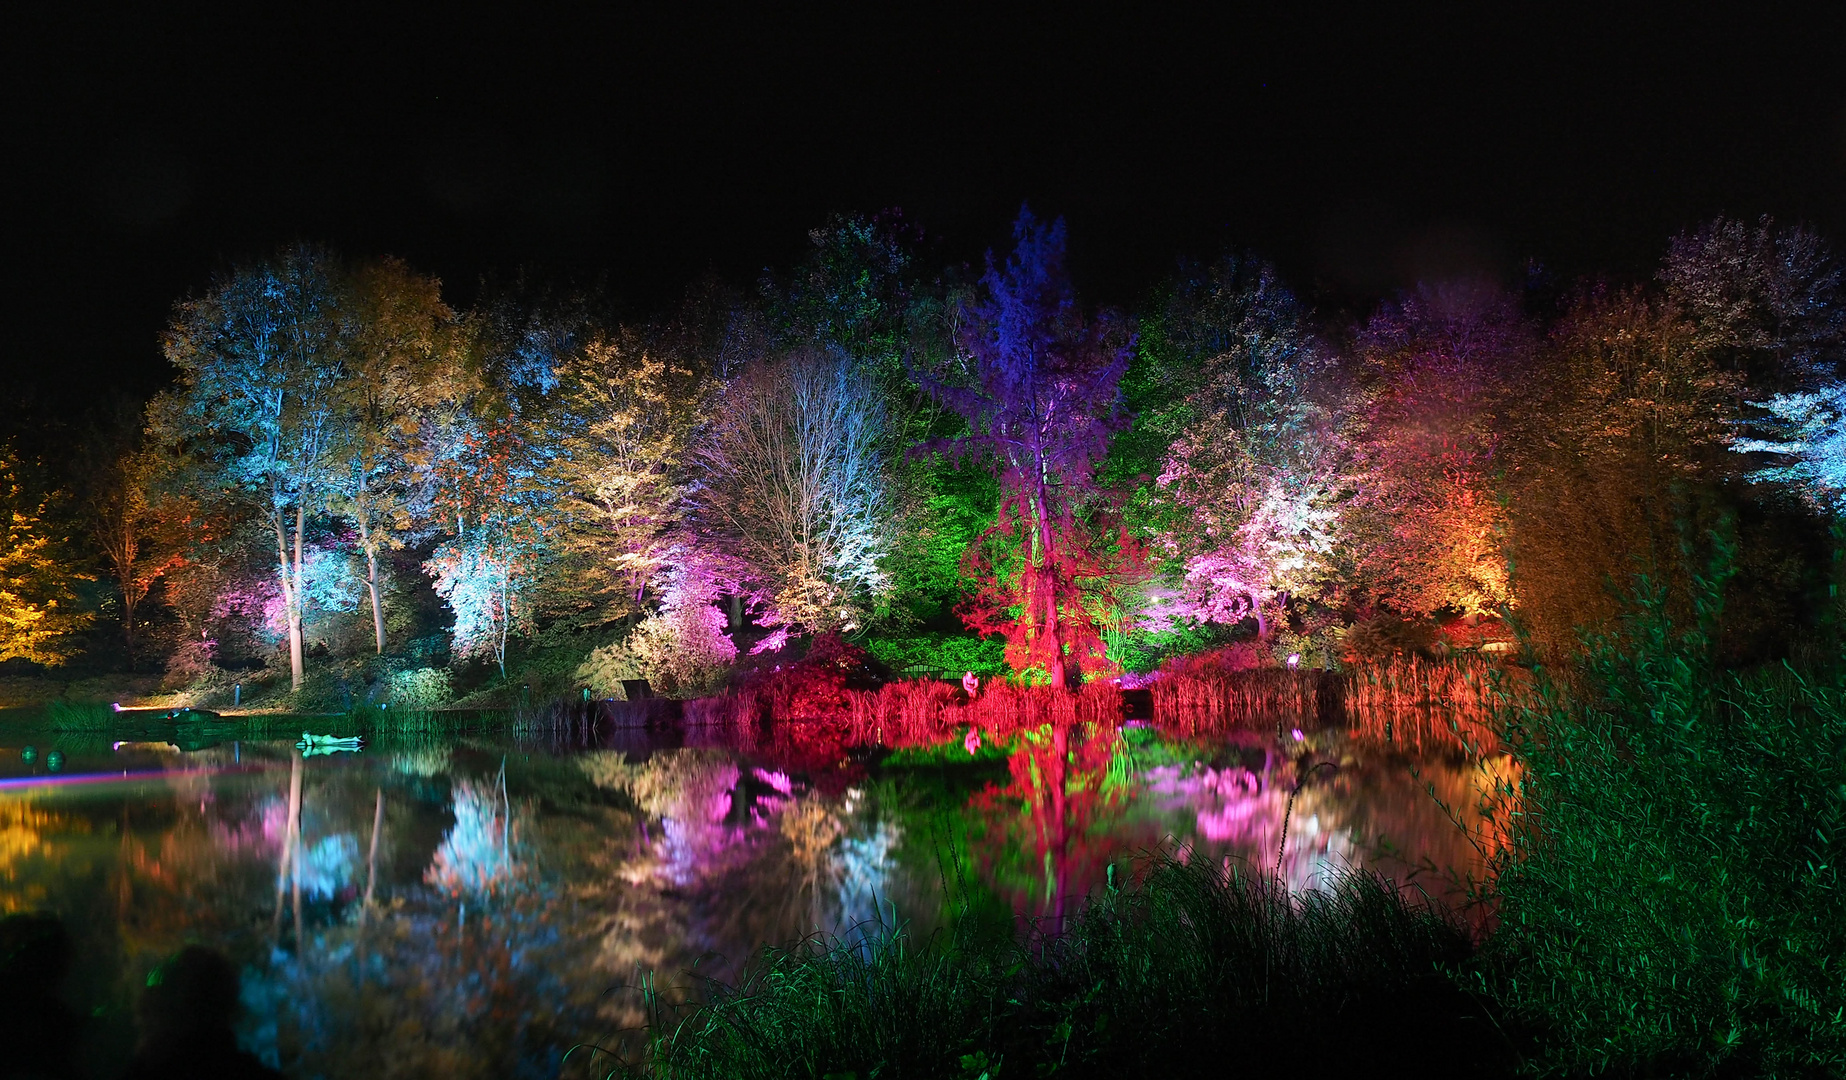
<point x="1078" y="800"/>
<point x="721" y="861"/>
<point x="476" y="854"/>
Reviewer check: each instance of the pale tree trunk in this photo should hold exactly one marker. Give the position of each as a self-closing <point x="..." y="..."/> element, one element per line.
<point x="291" y="592"/>
<point x="371" y="860"/>
<point x="364" y="517"/>
<point x="378" y="611"/>
<point x="290" y="868"/>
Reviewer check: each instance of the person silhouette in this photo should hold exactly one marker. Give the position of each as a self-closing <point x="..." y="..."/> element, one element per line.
<point x="37" y="1029"/>
<point x="187" y="1014"/>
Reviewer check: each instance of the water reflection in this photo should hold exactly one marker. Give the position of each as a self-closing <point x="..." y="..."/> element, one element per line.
<point x="463" y="906"/>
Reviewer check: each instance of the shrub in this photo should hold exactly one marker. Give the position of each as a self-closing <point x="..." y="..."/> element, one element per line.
<point x="681" y="652"/>
<point x="419" y="688"/>
<point x="64" y="715"/>
<point x="1670" y="893"/>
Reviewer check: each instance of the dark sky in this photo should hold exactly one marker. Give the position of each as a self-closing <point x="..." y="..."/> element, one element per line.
<point x="146" y="149"/>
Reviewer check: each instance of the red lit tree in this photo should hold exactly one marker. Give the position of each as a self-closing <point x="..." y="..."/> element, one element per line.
<point x="1040" y="400"/>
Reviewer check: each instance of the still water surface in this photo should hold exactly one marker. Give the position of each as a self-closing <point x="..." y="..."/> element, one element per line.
<point x="519" y="886"/>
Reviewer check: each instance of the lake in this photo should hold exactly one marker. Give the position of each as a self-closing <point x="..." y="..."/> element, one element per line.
<point x="523" y="882"/>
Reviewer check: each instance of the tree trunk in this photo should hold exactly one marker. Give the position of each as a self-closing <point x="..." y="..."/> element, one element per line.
<point x="129" y="600"/>
<point x="371" y="569"/>
<point x="378" y="610"/>
<point x="291" y="595"/>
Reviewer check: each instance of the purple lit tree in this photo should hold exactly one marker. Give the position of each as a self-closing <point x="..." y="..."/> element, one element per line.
<point x="1040" y="400"/>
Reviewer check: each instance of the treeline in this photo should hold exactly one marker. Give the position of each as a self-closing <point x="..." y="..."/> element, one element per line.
<point x="348" y="466"/>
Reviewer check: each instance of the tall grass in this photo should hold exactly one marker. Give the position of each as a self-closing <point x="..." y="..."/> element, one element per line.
<point x="1670" y="897"/>
<point x="1195" y="968"/>
<point x="62" y="715"/>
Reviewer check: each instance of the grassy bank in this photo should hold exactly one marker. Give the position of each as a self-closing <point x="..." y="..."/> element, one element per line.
<point x="1191" y="970"/>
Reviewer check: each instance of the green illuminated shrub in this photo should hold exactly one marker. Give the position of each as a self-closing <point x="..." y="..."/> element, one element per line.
<point x="419" y="688"/>
<point x="1671" y="897"/>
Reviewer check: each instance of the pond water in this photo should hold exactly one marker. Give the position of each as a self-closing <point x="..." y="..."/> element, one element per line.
<point x="520" y="886"/>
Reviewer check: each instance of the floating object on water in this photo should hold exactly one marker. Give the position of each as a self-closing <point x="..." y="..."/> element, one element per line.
<point x="311" y="745"/>
<point x="187" y="712"/>
<point x="54" y="760"/>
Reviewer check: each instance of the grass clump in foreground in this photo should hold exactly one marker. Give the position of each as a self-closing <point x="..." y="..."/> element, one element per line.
<point x="1192" y="970"/>
<point x="1670" y="895"/>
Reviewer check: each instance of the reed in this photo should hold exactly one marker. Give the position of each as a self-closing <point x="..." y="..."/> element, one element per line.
<point x="1207" y="695"/>
<point x="1447" y="706"/>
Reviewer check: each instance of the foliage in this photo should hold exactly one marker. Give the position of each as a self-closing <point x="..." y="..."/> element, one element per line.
<point x="794" y="489"/>
<point x="39" y="613"/>
<point x="1040" y="409"/>
<point x="1670" y="891"/>
<point x="1437" y="365"/>
<point x="1232" y="392"/>
<point x="419" y="688"/>
<point x="681" y="649"/>
<point x="940" y="652"/>
<point x="630" y="406"/>
<point x="1765" y="300"/>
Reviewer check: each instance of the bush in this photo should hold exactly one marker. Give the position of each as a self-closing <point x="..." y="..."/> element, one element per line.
<point x="681" y="652"/>
<point x="1670" y="896"/>
<point x="940" y="652"/>
<point x="79" y="716"/>
<point x="419" y="688"/>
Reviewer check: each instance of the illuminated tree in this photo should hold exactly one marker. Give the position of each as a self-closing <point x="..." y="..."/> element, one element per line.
<point x="493" y="490"/>
<point x="38" y="604"/>
<point x="1232" y="389"/>
<point x="1428" y="525"/>
<point x="1763" y="301"/>
<point x="1811" y="439"/>
<point x="263" y="360"/>
<point x="794" y="490"/>
<point x="407" y="360"/>
<point x="488" y="474"/>
<point x="141" y="530"/>
<point x="1040" y="405"/>
<point x="629" y="411"/>
<point x="1611" y="459"/>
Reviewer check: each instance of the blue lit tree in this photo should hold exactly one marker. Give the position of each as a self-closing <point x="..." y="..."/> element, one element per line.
<point x="263" y="361"/>
<point x="1040" y="400"/>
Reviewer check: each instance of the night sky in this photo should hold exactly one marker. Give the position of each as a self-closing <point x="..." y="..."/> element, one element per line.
<point x="145" y="150"/>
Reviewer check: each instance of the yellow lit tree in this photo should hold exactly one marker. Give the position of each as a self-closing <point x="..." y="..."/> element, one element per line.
<point x="39" y="616"/>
